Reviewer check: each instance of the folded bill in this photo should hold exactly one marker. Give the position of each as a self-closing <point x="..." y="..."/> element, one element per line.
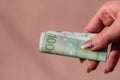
<point x="69" y="44"/>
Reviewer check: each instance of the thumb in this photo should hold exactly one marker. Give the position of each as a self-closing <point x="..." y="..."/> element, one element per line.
<point x="104" y="38"/>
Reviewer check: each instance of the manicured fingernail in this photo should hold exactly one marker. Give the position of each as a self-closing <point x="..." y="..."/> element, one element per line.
<point x="88" y="70"/>
<point x="81" y="61"/>
<point x="87" y="45"/>
<point x="106" y="72"/>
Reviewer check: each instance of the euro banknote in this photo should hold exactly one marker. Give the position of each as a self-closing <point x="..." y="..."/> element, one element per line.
<point x="69" y="44"/>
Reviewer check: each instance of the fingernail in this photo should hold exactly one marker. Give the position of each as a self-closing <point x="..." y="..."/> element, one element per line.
<point x="88" y="45"/>
<point x="81" y="61"/>
<point x="106" y="72"/>
<point x="88" y="70"/>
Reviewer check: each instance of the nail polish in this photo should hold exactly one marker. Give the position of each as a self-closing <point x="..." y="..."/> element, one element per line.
<point x="87" y="45"/>
<point x="81" y="61"/>
<point x="106" y="72"/>
<point x="88" y="70"/>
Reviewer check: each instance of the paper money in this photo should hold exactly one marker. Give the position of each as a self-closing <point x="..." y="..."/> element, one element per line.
<point x="69" y="44"/>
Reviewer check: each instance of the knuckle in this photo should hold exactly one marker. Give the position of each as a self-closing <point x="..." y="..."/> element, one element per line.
<point x="102" y="40"/>
<point x="106" y="18"/>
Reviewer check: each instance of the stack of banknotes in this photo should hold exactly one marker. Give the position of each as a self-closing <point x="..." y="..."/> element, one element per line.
<point x="69" y="44"/>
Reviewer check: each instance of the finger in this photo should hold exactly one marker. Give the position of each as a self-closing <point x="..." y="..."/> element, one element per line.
<point x="92" y="65"/>
<point x="105" y="37"/>
<point x="113" y="57"/>
<point x="95" y="25"/>
<point x="106" y="17"/>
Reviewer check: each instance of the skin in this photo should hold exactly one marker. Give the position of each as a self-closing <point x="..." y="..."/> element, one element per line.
<point x="106" y="23"/>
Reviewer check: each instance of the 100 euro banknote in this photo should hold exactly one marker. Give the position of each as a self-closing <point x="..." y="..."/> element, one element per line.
<point x="69" y="44"/>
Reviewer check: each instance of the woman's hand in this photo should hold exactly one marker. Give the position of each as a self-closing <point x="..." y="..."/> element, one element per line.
<point x="106" y="23"/>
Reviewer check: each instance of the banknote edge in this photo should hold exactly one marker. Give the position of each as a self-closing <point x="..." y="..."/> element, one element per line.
<point x="41" y="41"/>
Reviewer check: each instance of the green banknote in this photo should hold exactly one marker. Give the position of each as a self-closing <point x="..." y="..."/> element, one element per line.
<point x="69" y="44"/>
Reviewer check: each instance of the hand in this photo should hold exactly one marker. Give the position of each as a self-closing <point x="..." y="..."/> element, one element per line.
<point x="106" y="23"/>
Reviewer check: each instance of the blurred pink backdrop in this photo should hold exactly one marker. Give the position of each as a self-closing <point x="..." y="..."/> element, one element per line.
<point x="22" y="21"/>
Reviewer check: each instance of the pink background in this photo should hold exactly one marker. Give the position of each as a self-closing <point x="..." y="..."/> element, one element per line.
<point x="22" y="21"/>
